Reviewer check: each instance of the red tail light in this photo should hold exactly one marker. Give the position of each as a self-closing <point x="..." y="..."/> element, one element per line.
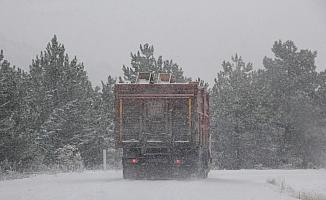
<point x="134" y="161"/>
<point x="178" y="162"/>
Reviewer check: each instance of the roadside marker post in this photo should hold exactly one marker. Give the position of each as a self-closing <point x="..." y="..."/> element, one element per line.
<point x="104" y="159"/>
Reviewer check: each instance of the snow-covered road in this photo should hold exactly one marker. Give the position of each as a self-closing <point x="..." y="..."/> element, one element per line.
<point x="222" y="185"/>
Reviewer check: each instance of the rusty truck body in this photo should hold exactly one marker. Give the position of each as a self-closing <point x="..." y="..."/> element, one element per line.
<point x="163" y="128"/>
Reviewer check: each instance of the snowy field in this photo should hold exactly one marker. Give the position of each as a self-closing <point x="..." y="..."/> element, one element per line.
<point x="221" y="185"/>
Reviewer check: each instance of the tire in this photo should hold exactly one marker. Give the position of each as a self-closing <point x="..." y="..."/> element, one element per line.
<point x="129" y="173"/>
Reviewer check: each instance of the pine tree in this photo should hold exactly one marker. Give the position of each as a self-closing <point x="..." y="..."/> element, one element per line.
<point x="17" y="146"/>
<point x="144" y="61"/>
<point x="292" y="79"/>
<point x="232" y="103"/>
<point x="102" y="125"/>
<point x="62" y="99"/>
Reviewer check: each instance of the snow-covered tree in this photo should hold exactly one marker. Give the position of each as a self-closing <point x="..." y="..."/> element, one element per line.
<point x="62" y="99"/>
<point x="17" y="144"/>
<point x="232" y="106"/>
<point x="144" y="61"/>
<point x="292" y="81"/>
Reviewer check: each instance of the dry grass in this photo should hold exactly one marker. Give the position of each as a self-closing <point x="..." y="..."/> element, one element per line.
<point x="283" y="187"/>
<point x="310" y="196"/>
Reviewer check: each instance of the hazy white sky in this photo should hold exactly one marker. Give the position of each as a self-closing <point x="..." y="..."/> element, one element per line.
<point x="198" y="35"/>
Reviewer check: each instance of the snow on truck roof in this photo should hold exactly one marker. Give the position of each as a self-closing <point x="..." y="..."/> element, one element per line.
<point x="152" y="78"/>
<point x="156" y="87"/>
<point x="147" y="77"/>
<point x="129" y="83"/>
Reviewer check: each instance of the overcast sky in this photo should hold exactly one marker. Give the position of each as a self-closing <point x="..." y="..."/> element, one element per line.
<point x="198" y="35"/>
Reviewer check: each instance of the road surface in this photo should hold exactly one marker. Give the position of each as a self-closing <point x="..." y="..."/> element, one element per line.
<point x="221" y="185"/>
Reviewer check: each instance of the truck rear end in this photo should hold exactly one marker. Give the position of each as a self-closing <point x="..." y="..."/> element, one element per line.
<point x="162" y="129"/>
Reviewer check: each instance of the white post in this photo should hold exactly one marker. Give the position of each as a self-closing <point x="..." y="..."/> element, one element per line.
<point x="104" y="159"/>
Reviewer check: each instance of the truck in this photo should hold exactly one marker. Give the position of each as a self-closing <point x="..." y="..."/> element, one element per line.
<point x="162" y="127"/>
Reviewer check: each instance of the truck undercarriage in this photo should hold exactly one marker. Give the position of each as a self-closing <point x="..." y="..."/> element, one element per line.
<point x="165" y="162"/>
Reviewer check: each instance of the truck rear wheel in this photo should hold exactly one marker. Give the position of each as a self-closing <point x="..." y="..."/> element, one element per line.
<point x="129" y="173"/>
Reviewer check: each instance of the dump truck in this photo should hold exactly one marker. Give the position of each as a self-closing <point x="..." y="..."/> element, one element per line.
<point x="162" y="127"/>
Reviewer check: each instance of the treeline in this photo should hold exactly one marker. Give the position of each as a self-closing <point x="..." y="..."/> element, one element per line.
<point x="51" y="116"/>
<point x="272" y="117"/>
